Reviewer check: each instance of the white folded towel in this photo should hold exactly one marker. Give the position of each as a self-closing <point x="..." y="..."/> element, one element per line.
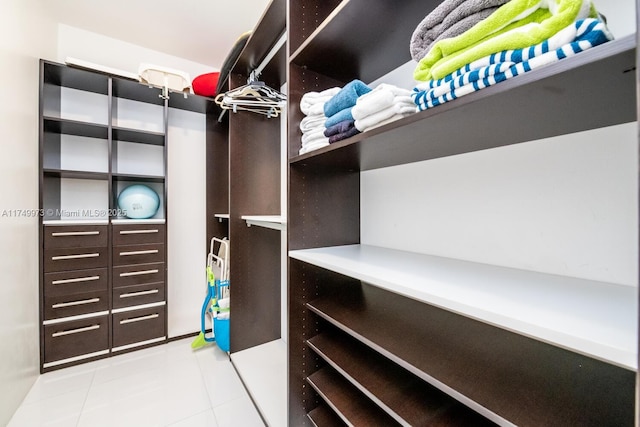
<point x="312" y="123"/>
<point x="315" y="135"/>
<point x="374" y="120"/>
<point x="315" y="109"/>
<point x="398" y="91"/>
<point x="382" y="97"/>
<point x="314" y="146"/>
<point x="311" y="100"/>
<point x="387" y="121"/>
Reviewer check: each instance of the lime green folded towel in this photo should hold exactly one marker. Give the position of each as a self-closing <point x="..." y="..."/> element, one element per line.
<point x="515" y="25"/>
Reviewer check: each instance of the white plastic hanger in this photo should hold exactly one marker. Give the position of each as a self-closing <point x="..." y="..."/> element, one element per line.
<point x="255" y="96"/>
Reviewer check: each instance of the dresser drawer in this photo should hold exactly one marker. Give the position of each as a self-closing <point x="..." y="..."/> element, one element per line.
<point x="138" y="274"/>
<point x="138" y="254"/>
<point x="60" y="306"/>
<point x="75" y="236"/>
<point x="74" y="259"/>
<point x="129" y="296"/>
<point x="74" y="282"/>
<point x="75" y="338"/>
<point x="138" y="325"/>
<point x="135" y="234"/>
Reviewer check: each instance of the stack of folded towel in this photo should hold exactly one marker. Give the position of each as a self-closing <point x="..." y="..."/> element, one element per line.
<point x="336" y="114"/>
<point x="312" y="125"/>
<point x="384" y="104"/>
<point x="512" y="39"/>
<point x="340" y="123"/>
<point x="492" y="69"/>
<point x="450" y="19"/>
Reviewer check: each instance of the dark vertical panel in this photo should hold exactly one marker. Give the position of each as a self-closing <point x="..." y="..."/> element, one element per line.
<point x="255" y="309"/>
<point x="637" y="400"/>
<point x="112" y="149"/>
<point x="302" y="288"/>
<point x="41" y="206"/>
<point x="254" y="165"/>
<point x="270" y="27"/>
<point x="324" y="207"/>
<point x="307" y="283"/>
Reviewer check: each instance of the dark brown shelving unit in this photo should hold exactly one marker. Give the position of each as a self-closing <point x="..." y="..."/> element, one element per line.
<point x="244" y="170"/>
<point x="409" y="400"/>
<point x="103" y="277"/>
<point x="58" y="173"/>
<point x="349" y="404"/>
<point x="323" y="417"/>
<point x="254" y="189"/>
<point x="135" y="91"/>
<point x="55" y="125"/>
<point x="455" y="352"/>
<point x="550" y="92"/>
<point x="348" y="337"/>
<point x="74" y="78"/>
<point x="134" y="135"/>
<point x="133" y="177"/>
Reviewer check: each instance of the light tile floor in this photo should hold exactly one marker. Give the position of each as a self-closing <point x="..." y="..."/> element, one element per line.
<point x="167" y="385"/>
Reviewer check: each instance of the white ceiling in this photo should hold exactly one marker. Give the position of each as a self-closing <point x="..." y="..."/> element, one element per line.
<point x="202" y="31"/>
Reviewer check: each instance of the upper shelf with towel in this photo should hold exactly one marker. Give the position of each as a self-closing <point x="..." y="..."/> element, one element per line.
<point x="552" y="91"/>
<point x="368" y="53"/>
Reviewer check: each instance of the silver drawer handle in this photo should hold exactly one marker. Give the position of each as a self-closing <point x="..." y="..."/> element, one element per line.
<point x="75" y="233"/>
<point x="74" y="303"/>
<point x="77" y="280"/>
<point x="147" y="252"/>
<point x="151" y="231"/>
<point x="137" y="294"/>
<point x="139" y="273"/>
<point x="139" y="319"/>
<point x="75" y="331"/>
<point x="81" y="256"/>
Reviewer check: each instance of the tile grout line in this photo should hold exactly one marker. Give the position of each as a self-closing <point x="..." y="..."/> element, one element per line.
<point x="206" y="388"/>
<point x="86" y="397"/>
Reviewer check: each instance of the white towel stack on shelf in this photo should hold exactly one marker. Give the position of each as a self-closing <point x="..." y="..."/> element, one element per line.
<point x="384" y="104"/>
<point x="312" y="126"/>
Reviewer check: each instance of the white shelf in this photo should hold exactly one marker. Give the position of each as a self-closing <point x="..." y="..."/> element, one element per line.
<point x="593" y="318"/>
<point x="263" y="370"/>
<point x="75" y="222"/>
<point x="138" y="221"/>
<point x="221" y="216"/>
<point x="275" y="222"/>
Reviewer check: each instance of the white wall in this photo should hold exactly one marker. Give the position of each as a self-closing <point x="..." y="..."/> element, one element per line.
<point x="186" y="211"/>
<point x="25" y="36"/>
<point x="565" y="205"/>
<point x="110" y="52"/>
<point x="186" y="204"/>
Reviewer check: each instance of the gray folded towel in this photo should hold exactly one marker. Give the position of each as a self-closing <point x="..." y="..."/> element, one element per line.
<point x="450" y="19"/>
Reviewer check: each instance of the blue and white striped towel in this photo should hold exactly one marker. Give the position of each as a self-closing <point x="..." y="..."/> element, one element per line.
<point x="501" y="66"/>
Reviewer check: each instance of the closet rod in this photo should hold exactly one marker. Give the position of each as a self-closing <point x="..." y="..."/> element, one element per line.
<point x="254" y="74"/>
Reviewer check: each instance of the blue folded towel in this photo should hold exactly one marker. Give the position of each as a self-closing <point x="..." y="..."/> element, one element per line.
<point x="339" y="128"/>
<point x="498" y="67"/>
<point x="345" y="98"/>
<point x="340" y="116"/>
<point x="343" y="135"/>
